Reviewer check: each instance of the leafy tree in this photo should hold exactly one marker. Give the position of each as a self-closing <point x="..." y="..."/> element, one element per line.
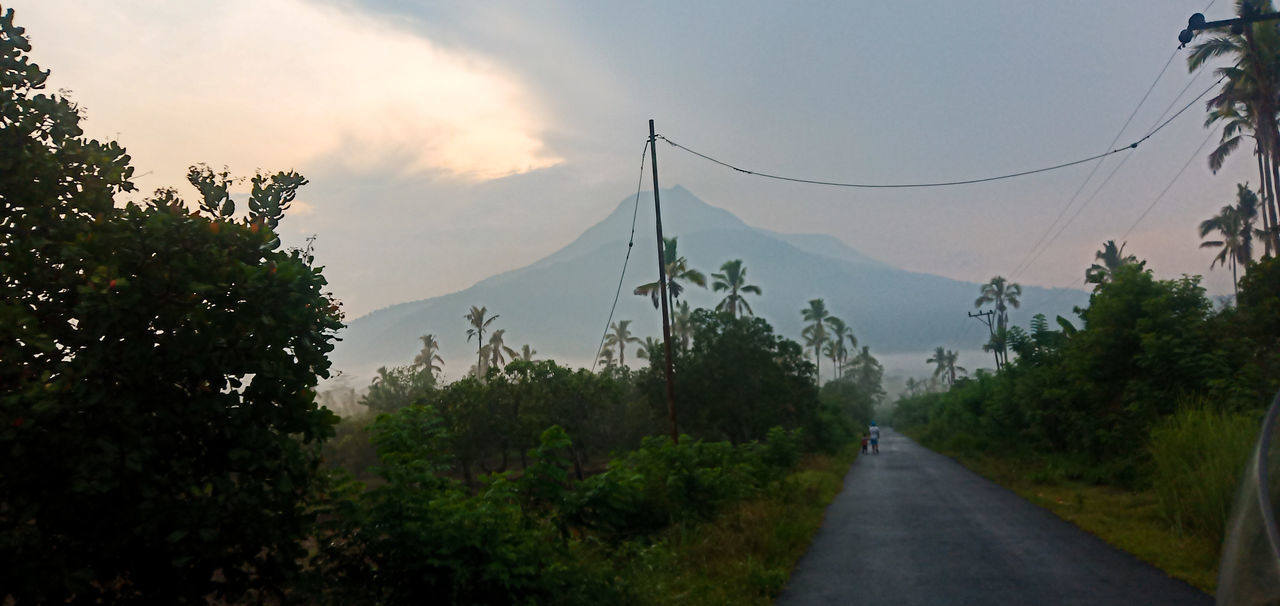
<point x="429" y="355"/>
<point x="944" y="361"/>
<point x="1111" y="258"/>
<point x="733" y="278"/>
<point x="651" y="349"/>
<point x="815" y="333"/>
<point x="607" y="358"/>
<point x="867" y="372"/>
<point x="618" y="338"/>
<point x="157" y="389"/>
<point x="479" y="323"/>
<point x="394" y="389"/>
<point x="678" y="270"/>
<point x="526" y="353"/>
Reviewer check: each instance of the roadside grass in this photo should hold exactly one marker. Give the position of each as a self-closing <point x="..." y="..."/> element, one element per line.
<point x="746" y="553"/>
<point x="1129" y="520"/>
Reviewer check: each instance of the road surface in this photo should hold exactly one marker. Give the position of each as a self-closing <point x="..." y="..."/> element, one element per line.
<point x="915" y="527"/>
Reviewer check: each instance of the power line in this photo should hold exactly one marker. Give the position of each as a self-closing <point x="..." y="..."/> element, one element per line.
<point x="1026" y="259"/>
<point x="895" y="185"/>
<point x="631" y="240"/>
<point x="1169" y="186"/>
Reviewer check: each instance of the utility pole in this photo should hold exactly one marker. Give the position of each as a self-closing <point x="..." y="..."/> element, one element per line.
<point x="662" y="290"/>
<point x="1197" y="23"/>
<point x="985" y="318"/>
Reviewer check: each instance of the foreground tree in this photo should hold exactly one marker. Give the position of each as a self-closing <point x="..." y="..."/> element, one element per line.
<point x="733" y="278"/>
<point x="157" y="390"/>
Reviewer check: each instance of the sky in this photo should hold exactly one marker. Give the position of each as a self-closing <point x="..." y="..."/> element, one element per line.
<point x="448" y="142"/>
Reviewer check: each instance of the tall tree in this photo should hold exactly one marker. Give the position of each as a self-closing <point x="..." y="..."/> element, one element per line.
<point x="527" y="353"/>
<point x="498" y="351"/>
<point x="1003" y="294"/>
<point x="867" y="372"/>
<point x="944" y="362"/>
<point x="1250" y="90"/>
<point x="840" y="334"/>
<point x="815" y="333"/>
<point x="479" y="324"/>
<point x="619" y="335"/>
<point x="678" y="271"/>
<point x="650" y="349"/>
<point x="733" y="278"/>
<point x="682" y="324"/>
<point x="160" y="429"/>
<point x="1112" y="258"/>
<point x="430" y="355"/>
<point x="1232" y="248"/>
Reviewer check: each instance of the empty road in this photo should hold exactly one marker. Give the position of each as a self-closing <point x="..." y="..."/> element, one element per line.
<point x="915" y="527"/>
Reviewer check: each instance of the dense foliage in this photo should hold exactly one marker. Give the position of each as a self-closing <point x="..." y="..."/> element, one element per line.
<point x="1091" y="396"/>
<point x="160" y="431"/>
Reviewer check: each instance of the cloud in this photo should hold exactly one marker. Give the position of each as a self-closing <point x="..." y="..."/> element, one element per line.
<point x="281" y="84"/>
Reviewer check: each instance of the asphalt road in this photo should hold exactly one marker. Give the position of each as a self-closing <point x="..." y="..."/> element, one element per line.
<point x="915" y="527"/>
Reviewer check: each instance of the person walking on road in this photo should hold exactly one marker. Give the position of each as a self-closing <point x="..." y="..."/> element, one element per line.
<point x="875" y="437"/>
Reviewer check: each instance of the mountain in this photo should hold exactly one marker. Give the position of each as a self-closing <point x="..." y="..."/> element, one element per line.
<point x="560" y="304"/>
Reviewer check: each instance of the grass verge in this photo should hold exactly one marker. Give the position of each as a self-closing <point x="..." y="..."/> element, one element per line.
<point x="745" y="554"/>
<point x="1129" y="520"/>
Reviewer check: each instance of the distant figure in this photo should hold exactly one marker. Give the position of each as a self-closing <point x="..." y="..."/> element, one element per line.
<point x="874" y="432"/>
<point x="865" y="440"/>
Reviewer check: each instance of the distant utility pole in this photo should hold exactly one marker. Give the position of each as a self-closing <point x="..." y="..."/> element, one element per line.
<point x="985" y="318"/>
<point x="1197" y="23"/>
<point x="662" y="289"/>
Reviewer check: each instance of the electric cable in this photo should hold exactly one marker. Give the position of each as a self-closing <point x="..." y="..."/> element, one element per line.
<point x="631" y="240"/>
<point x="1169" y="186"/>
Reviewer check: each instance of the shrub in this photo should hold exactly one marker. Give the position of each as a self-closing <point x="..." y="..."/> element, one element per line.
<point x="1198" y="455"/>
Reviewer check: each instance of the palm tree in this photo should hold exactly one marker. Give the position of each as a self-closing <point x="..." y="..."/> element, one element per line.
<point x="1112" y="259"/>
<point x="677" y="269"/>
<point x="497" y="348"/>
<point x="606" y="357"/>
<point x="733" y="278"/>
<point x="650" y="349"/>
<point x="815" y="333"/>
<point x="429" y="355"/>
<point x="619" y="337"/>
<point x="867" y="371"/>
<point x="526" y="353"/>
<point x="944" y="362"/>
<point x="1250" y="92"/>
<point x="840" y="332"/>
<point x="1003" y="293"/>
<point x="1237" y="125"/>
<point x="478" y="325"/>
<point x="1230" y="225"/>
<point x="682" y="324"/>
<point x="832" y="351"/>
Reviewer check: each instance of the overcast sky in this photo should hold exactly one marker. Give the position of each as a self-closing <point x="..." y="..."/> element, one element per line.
<point x="447" y="142"/>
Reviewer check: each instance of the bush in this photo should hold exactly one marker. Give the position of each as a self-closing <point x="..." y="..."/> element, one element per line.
<point x="1198" y="455"/>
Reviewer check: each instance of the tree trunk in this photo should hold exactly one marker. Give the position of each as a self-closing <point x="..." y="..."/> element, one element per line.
<point x="1262" y="195"/>
<point x="1266" y="124"/>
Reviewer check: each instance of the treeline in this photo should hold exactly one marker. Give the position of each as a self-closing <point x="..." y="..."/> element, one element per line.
<point x="1151" y="365"/>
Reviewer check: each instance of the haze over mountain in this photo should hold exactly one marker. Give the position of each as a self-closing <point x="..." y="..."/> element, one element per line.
<point x="559" y="304"/>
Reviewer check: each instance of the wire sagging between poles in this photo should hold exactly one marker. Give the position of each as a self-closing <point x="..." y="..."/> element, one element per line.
<point x="631" y="240"/>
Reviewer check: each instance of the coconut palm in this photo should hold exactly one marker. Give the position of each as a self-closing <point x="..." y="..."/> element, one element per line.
<point x="944" y="362"/>
<point x="1232" y="249"/>
<point x="682" y="324"/>
<point x="650" y="349"/>
<point x="1112" y="258"/>
<point x="1249" y="93"/>
<point x="815" y="333"/>
<point x="619" y="336"/>
<point x="677" y="270"/>
<point x="1003" y="294"/>
<point x="606" y="357"/>
<point x="496" y="349"/>
<point x="526" y="353"/>
<point x="478" y="326"/>
<point x="841" y="333"/>
<point x="733" y="278"/>
<point x="429" y="355"/>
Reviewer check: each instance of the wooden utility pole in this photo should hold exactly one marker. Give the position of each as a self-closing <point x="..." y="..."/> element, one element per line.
<point x="662" y="290"/>
<point x="985" y="318"/>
